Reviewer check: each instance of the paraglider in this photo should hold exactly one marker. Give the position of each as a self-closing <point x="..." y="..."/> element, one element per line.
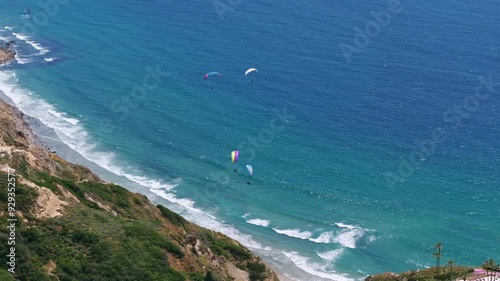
<point x="234" y="156"/>
<point x="250" y="70"/>
<point x="250" y="172"/>
<point x="212" y="73"/>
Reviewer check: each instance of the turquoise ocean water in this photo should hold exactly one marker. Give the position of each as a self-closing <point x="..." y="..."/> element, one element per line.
<point x="362" y="161"/>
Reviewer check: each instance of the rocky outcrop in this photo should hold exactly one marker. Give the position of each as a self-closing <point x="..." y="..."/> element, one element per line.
<point x="6" y="55"/>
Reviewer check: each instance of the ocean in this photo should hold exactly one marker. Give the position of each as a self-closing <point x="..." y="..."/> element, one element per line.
<point x="372" y="128"/>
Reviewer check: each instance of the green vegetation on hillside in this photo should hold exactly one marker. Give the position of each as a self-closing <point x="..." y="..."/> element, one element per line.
<point x="111" y="234"/>
<point x="88" y="243"/>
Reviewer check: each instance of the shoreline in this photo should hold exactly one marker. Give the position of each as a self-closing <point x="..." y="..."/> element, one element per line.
<point x="35" y="144"/>
<point x="50" y="183"/>
<point x="23" y="121"/>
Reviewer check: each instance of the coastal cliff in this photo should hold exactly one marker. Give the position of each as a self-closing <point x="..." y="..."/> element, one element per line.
<point x="68" y="224"/>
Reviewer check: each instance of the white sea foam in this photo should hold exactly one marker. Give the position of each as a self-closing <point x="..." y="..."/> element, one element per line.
<point x="152" y="184"/>
<point x="22" y="60"/>
<point x="7" y="63"/>
<point x="41" y="49"/>
<point x="9" y="27"/>
<point x="203" y="219"/>
<point x="342" y="225"/>
<point x="349" y="237"/>
<point x="260" y="222"/>
<point x="325" y="237"/>
<point x="313" y="268"/>
<point x="255" y="221"/>
<point x="61" y="115"/>
<point x="295" y="233"/>
<point x="186" y="203"/>
<point x="50" y="59"/>
<point x="346" y="237"/>
<point x="20" y="36"/>
<point x="371" y="238"/>
<point x="331" y="255"/>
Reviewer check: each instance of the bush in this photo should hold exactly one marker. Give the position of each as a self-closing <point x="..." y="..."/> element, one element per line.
<point x="84" y="237"/>
<point x="174" y="218"/>
<point x="146" y="233"/>
<point x="238" y="252"/>
<point x="196" y="276"/>
<point x="25" y="198"/>
<point x="257" y="271"/>
<point x="226" y="247"/>
<point x="5" y="275"/>
<point x="209" y="277"/>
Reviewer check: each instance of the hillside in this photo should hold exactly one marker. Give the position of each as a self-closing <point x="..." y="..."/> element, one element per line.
<point x="68" y="224"/>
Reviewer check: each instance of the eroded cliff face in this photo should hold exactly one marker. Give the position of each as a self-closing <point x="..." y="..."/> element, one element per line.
<point x="74" y="226"/>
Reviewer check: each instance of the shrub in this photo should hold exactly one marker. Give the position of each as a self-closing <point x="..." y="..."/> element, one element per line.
<point x="84" y="237"/>
<point x="257" y="271"/>
<point x="196" y="276"/>
<point x="174" y="218"/>
<point x="146" y="233"/>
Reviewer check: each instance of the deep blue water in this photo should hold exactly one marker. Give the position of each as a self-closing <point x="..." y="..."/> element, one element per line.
<point x="323" y="134"/>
